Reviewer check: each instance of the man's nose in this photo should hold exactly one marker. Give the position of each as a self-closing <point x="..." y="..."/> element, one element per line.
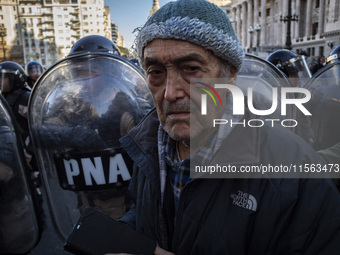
<point x="174" y="89"/>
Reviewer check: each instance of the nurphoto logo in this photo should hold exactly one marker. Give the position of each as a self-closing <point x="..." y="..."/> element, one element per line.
<point x="204" y="97"/>
<point x="279" y="98"/>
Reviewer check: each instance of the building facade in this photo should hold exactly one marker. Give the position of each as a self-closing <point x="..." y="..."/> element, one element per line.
<point x="45" y="30"/>
<point x="262" y="25"/>
<point x="117" y="37"/>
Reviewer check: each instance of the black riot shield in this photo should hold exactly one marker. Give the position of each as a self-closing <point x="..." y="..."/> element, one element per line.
<point x="78" y="111"/>
<point x="261" y="83"/>
<point x="322" y="128"/>
<point x="19" y="231"/>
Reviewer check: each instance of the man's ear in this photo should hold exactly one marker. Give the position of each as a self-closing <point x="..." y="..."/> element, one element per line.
<point x="232" y="76"/>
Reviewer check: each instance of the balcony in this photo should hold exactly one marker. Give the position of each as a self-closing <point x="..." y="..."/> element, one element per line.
<point x="76" y="27"/>
<point x="47" y="13"/>
<point x="76" y="37"/>
<point x="75" y="12"/>
<point x="74" y="21"/>
<point x="30" y="2"/>
<point x="48" y="21"/>
<point x="49" y="37"/>
<point x="49" y="28"/>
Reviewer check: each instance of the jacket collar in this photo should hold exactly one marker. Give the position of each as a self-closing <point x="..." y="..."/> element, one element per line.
<point x="141" y="145"/>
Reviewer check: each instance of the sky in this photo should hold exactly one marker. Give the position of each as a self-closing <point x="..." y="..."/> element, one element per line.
<point x="130" y="14"/>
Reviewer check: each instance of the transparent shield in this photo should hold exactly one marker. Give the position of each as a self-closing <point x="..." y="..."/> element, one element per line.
<point x="260" y="98"/>
<point x="263" y="78"/>
<point x="298" y="71"/>
<point x="321" y="129"/>
<point x="78" y="111"/>
<point x="19" y="230"/>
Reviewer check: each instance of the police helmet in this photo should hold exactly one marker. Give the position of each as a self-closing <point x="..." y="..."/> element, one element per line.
<point x="34" y="70"/>
<point x="334" y="56"/>
<point x="136" y="63"/>
<point x="291" y="64"/>
<point x="94" y="43"/>
<point x="15" y="73"/>
<point x="281" y="58"/>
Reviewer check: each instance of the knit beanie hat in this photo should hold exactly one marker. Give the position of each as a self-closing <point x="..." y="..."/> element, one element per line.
<point x="195" y="21"/>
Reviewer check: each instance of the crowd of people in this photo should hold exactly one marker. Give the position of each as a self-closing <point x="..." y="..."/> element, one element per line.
<point x="185" y="43"/>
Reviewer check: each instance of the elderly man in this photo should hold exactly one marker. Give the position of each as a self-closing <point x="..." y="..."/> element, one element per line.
<point x="194" y="39"/>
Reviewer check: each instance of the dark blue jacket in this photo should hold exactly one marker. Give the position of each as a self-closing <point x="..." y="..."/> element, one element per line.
<point x="235" y="216"/>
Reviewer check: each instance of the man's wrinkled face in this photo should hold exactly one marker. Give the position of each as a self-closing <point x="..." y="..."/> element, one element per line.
<point x="169" y="66"/>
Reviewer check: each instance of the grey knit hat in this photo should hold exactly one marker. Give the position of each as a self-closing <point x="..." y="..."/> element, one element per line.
<point x="195" y="21"/>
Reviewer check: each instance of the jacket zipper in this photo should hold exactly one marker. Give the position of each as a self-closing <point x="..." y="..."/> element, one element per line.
<point x="177" y="225"/>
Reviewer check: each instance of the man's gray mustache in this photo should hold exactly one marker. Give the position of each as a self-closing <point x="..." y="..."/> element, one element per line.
<point x="176" y="107"/>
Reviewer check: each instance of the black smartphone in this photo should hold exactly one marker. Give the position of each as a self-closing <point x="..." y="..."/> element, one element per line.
<point x="96" y="234"/>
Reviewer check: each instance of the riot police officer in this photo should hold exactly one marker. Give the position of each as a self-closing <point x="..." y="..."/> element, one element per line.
<point x="16" y="91"/>
<point x="292" y="65"/>
<point x="324" y="104"/>
<point x="334" y="56"/>
<point x="321" y="129"/>
<point x="79" y="109"/>
<point x="33" y="71"/>
<point x="20" y="223"/>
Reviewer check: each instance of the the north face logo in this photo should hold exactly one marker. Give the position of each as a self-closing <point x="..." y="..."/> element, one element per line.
<point x="244" y="200"/>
